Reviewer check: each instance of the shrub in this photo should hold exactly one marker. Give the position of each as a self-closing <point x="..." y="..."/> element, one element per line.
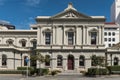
<point x="96" y="71"/>
<point x="113" y="69"/>
<point x="42" y="71"/>
<point x="31" y="70"/>
<point x="11" y="72"/>
<point x="54" y="72"/>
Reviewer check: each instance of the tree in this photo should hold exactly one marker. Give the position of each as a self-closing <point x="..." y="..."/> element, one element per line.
<point x="40" y="58"/>
<point x="98" y="60"/>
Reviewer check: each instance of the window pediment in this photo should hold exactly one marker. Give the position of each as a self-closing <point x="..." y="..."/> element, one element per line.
<point x="23" y="40"/>
<point x="47" y="30"/>
<point x="93" y="30"/>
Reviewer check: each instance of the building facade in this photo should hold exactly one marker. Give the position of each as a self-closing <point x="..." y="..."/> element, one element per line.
<point x="68" y="39"/>
<point x="115" y="11"/>
<point x="111" y="34"/>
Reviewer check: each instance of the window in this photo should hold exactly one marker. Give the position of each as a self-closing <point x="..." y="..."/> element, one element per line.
<point x="109" y="45"/>
<point x="47" y="60"/>
<point x="105" y="39"/>
<point x="105" y="33"/>
<point x="47" y="38"/>
<point x="113" y="33"/>
<point x="34" y="43"/>
<point x="113" y="39"/>
<point x="93" y="38"/>
<point x="25" y="63"/>
<point x="4" y="60"/>
<point x="10" y="41"/>
<point x="109" y="39"/>
<point x="23" y="43"/>
<point x="70" y="38"/>
<point x="81" y="61"/>
<point x="116" y="61"/>
<point x="109" y="33"/>
<point x="59" y="60"/>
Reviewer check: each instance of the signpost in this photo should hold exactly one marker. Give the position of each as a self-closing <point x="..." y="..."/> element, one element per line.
<point x="27" y="61"/>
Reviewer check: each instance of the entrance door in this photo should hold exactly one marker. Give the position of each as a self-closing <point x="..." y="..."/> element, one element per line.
<point x="70" y="62"/>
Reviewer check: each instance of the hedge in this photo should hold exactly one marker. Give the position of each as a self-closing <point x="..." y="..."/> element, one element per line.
<point x="11" y="72"/>
<point x="113" y="69"/>
<point x="31" y="70"/>
<point x="96" y="71"/>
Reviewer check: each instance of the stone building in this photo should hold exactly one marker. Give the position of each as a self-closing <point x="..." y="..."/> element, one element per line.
<point x="68" y="39"/>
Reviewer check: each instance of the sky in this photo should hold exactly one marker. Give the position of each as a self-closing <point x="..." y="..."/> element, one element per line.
<point x="22" y="13"/>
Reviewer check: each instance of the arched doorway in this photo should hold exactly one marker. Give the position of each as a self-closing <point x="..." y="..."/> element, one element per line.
<point x="70" y="62"/>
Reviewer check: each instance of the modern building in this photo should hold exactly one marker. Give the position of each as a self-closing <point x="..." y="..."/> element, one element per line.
<point x="115" y="11"/>
<point x="111" y="34"/>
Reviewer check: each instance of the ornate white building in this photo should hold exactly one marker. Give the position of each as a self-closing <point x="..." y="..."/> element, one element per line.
<point x="68" y="39"/>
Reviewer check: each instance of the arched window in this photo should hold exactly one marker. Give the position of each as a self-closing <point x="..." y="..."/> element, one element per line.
<point x="25" y="63"/>
<point x="81" y="61"/>
<point x="9" y="41"/>
<point x="23" y="42"/>
<point x="116" y="61"/>
<point x="4" y="60"/>
<point x="47" y="60"/>
<point x="59" y="60"/>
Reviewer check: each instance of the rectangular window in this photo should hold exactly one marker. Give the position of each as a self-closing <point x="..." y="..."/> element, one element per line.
<point x="109" y="45"/>
<point x="70" y="38"/>
<point x="93" y="38"/>
<point x="47" y="38"/>
<point x="113" y="39"/>
<point x="105" y="39"/>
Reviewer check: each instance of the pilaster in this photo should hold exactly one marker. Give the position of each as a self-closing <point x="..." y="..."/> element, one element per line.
<point x="39" y="36"/>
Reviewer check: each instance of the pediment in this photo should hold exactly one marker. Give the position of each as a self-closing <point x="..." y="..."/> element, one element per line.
<point x="116" y="46"/>
<point x="71" y="14"/>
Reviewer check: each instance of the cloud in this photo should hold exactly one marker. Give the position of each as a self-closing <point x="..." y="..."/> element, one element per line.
<point x="32" y="2"/>
<point x="4" y="22"/>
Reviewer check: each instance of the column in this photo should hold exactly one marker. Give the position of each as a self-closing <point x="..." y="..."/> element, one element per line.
<point x="78" y="35"/>
<point x="56" y="35"/>
<point x="65" y="63"/>
<point x="15" y="41"/>
<point x="102" y="35"/>
<point x="29" y="41"/>
<point x="99" y="35"/>
<point x="84" y="35"/>
<point x="38" y="36"/>
<point x="64" y="36"/>
<point x="76" y="63"/>
<point x="53" y="35"/>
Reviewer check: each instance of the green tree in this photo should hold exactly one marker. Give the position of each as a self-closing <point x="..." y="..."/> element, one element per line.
<point x="98" y="60"/>
<point x="40" y="58"/>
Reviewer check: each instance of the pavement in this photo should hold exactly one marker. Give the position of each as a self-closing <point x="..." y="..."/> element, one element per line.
<point x="57" y="77"/>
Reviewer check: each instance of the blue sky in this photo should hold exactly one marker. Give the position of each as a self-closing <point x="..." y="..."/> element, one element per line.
<point x="22" y="13"/>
